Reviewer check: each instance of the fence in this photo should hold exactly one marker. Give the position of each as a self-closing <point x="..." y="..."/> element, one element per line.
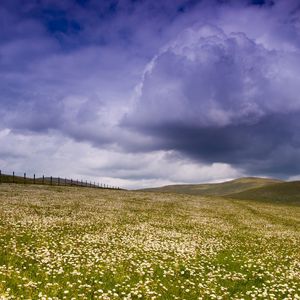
<point x="58" y="181"/>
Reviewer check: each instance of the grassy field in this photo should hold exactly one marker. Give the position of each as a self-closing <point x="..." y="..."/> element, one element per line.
<point x="75" y="243"/>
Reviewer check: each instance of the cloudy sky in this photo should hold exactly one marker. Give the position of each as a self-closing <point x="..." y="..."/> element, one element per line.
<point x="145" y="93"/>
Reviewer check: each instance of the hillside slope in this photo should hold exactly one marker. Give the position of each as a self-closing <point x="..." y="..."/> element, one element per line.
<point x="287" y="192"/>
<point x="217" y="189"/>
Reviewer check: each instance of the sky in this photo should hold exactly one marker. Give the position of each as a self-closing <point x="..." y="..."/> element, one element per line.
<point x="136" y="93"/>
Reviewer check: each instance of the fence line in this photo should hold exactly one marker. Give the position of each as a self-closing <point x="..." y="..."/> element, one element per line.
<point x="58" y="181"/>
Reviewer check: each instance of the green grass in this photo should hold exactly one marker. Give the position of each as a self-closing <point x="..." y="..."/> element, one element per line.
<point x="216" y="189"/>
<point x="74" y="243"/>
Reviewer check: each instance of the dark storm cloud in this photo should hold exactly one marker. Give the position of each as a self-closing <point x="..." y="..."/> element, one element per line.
<point x="269" y="146"/>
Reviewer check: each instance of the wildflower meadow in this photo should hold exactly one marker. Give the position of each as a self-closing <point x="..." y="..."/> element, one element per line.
<point x="83" y="243"/>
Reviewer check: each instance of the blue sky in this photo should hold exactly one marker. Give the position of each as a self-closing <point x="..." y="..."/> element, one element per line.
<point x="146" y="93"/>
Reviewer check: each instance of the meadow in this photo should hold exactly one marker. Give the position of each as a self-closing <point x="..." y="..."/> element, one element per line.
<point x="84" y="243"/>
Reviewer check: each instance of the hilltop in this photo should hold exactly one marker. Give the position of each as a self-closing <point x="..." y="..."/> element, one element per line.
<point x="217" y="189"/>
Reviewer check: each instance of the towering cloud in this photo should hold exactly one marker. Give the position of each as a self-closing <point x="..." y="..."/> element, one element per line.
<point x="219" y="94"/>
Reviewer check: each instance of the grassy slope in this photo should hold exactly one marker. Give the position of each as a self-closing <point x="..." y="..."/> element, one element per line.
<point x="217" y="189"/>
<point x="98" y="244"/>
<point x="288" y="192"/>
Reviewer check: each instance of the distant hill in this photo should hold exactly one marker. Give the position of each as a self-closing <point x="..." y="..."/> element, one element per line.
<point x="217" y="189"/>
<point x="288" y="192"/>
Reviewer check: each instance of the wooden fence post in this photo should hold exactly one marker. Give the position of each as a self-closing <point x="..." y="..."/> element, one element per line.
<point x="33" y="178"/>
<point x="51" y="180"/>
<point x="43" y="182"/>
<point x="13" y="177"/>
<point x="24" y="178"/>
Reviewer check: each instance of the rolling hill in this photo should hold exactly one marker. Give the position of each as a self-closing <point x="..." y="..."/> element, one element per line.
<point x="217" y="189"/>
<point x="288" y="192"/>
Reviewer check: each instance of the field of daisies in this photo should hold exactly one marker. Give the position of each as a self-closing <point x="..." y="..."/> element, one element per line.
<point x="83" y="243"/>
